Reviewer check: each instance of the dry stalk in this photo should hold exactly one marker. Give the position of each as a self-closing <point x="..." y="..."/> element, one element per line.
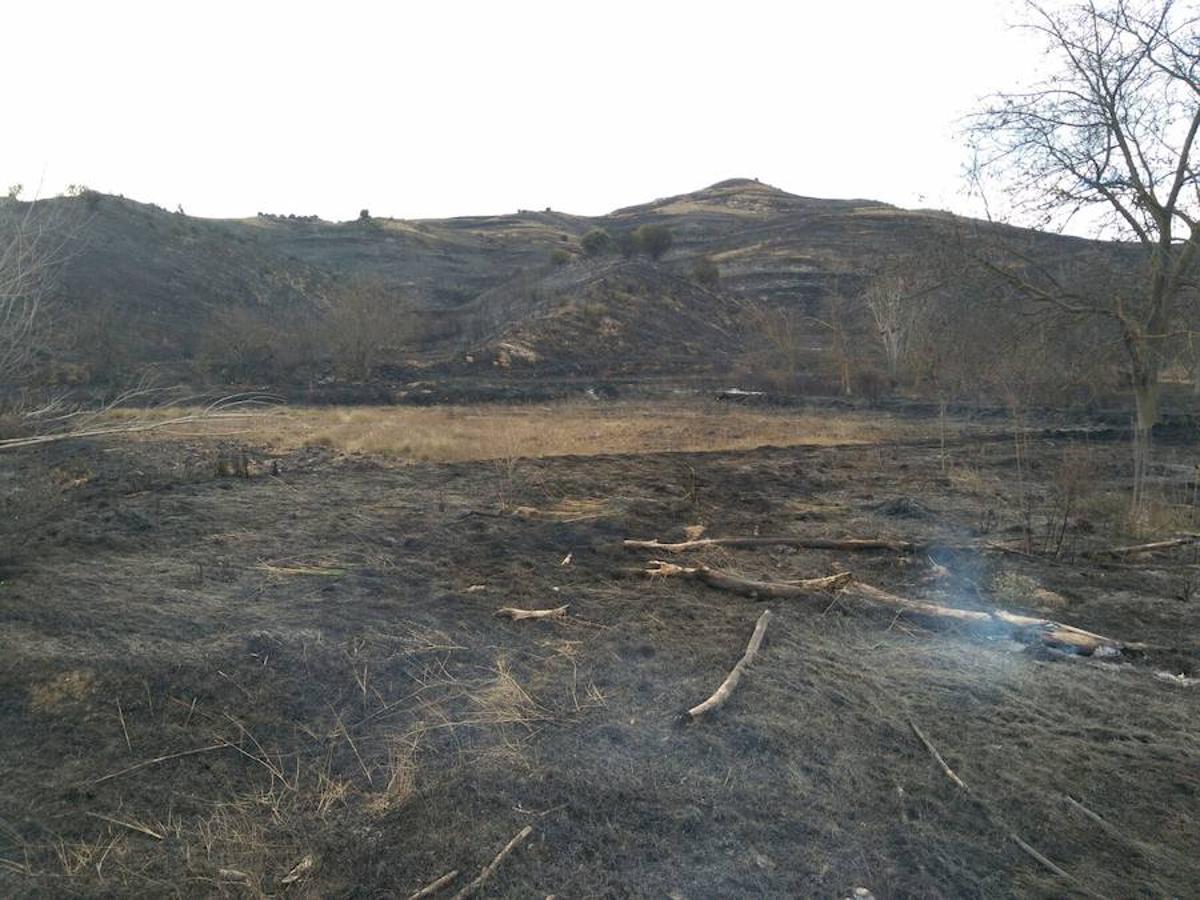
<point x="132" y="826"/>
<point x="161" y="759"/>
<point x="124" y="729"/>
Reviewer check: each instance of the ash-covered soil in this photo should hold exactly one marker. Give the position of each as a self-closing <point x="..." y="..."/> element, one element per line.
<point x="294" y="684"/>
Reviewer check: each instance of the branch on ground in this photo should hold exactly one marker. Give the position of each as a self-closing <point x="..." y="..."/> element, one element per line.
<point x="1135" y="549"/>
<point x="851" y="544"/>
<point x="510" y="612"/>
<point x="723" y="693"/>
<point x="491" y="867"/>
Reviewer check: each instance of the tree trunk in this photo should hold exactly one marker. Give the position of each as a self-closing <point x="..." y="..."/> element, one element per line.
<point x="843" y="360"/>
<point x="1146" y="390"/>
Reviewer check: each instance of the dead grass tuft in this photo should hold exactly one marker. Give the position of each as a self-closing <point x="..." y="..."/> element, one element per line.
<point x="504" y="701"/>
<point x="567" y="510"/>
<point x="320" y="568"/>
<point x="1014" y="589"/>
<point x="402" y="776"/>
<point x="68" y="687"/>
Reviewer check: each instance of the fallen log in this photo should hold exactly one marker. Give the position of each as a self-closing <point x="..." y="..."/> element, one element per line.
<point x="491" y="867"/>
<point x="1134" y="549"/>
<point x="731" y="680"/>
<point x="1026" y="629"/>
<point x="509" y="612"/>
<point x="748" y="587"/>
<point x="851" y="544"/>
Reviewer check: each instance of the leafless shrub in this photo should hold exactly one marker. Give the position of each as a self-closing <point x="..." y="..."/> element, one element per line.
<point x="367" y="323"/>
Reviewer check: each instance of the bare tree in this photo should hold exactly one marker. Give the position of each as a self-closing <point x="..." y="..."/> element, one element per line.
<point x="1110" y="133"/>
<point x="839" y="317"/>
<point x="895" y="297"/>
<point x="781" y="339"/>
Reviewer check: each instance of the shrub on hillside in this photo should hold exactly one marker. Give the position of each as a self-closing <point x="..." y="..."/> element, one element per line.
<point x="705" y="272"/>
<point x="653" y="240"/>
<point x="598" y="242"/>
<point x="627" y="244"/>
<point x="872" y="384"/>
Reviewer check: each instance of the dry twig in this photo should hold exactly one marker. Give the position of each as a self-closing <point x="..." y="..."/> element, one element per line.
<point x="434" y="886"/>
<point x="490" y="868"/>
<point x="933" y="751"/>
<point x="509" y="612"/>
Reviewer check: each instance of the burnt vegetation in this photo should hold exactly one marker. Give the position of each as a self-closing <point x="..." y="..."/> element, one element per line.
<point x="734" y="544"/>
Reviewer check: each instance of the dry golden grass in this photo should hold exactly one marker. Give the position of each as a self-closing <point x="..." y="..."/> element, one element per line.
<point x="686" y="207"/>
<point x="458" y="433"/>
<point x="67" y="687"/>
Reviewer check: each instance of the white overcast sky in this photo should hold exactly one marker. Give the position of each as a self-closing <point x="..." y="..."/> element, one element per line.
<point x="420" y="109"/>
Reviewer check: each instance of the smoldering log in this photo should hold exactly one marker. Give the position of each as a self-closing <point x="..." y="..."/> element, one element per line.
<point x="1026" y="629"/>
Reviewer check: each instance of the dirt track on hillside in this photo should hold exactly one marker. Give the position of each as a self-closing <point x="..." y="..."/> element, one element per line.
<point x="320" y="649"/>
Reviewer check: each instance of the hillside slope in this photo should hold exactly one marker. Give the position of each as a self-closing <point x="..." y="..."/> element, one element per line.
<point x="513" y="292"/>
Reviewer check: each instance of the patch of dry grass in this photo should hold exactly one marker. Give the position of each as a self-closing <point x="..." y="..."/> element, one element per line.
<point x="459" y="433"/>
<point x="68" y="687"/>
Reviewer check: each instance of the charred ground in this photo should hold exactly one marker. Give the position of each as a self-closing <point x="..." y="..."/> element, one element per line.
<point x="321" y="644"/>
